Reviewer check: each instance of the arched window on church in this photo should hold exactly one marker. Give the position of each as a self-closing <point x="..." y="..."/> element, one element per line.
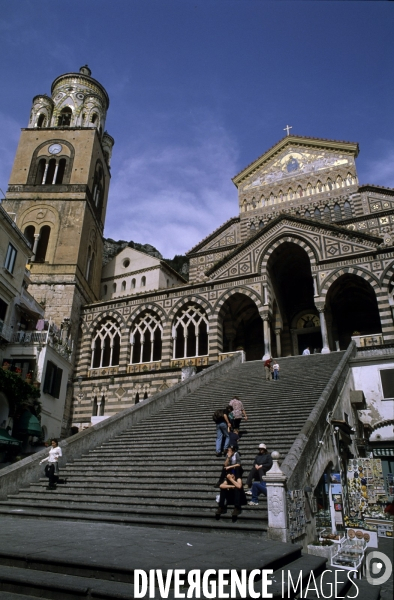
<point x="349" y="179"/>
<point x="123" y="286"/>
<point x="290" y="194"/>
<point x="94" y="408"/>
<point x="317" y="213"/>
<point x="327" y="214"/>
<point x="309" y="190"/>
<point x="146" y="339"/>
<point x="143" y="281"/>
<point x="339" y="182"/>
<point x="299" y="192"/>
<point x="61" y="168"/>
<point x="114" y="287"/>
<point x="29" y="234"/>
<point x="42" y="245"/>
<point x="280" y="196"/>
<point x="98" y="186"/>
<point x="40" y="171"/>
<point x="261" y="224"/>
<point x="307" y="214"/>
<point x="64" y="119"/>
<point x="347" y="210"/>
<point x="262" y="201"/>
<point x="106" y="346"/>
<point x="102" y="406"/>
<point x="145" y="395"/>
<point x="133" y="282"/>
<point x="329" y="185"/>
<point x="90" y="265"/>
<point x="319" y="186"/>
<point x="94" y="118"/>
<point x="337" y="212"/>
<point x="50" y="174"/>
<point x="137" y="398"/>
<point x="190" y="332"/>
<point x="40" y="121"/>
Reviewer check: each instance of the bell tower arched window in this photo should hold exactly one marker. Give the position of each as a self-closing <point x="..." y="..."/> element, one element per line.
<point x="64" y="119"/>
<point x="41" y="121"/>
<point x="29" y="234"/>
<point x="106" y="346"/>
<point x="98" y="186"/>
<point x="42" y="245"/>
<point x="347" y="210"/>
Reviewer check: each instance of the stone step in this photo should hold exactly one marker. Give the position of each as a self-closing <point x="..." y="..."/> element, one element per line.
<point x="208" y="524"/>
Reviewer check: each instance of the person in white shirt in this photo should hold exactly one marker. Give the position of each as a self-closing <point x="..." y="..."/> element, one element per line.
<point x="52" y="468"/>
<point x="306" y="352"/>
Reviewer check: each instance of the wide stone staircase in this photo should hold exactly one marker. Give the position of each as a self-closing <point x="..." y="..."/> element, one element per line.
<point x="162" y="472"/>
<point x="158" y="479"/>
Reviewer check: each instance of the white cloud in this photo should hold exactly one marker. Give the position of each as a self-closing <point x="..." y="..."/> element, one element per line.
<point x="172" y="196"/>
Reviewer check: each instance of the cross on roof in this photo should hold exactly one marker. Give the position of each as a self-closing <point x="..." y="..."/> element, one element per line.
<point x="287" y="128"/>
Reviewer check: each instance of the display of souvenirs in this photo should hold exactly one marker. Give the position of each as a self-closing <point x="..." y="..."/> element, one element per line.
<point x="351" y="554"/>
<point x="326" y="534"/>
<point x="366" y="491"/>
<point x="390" y="484"/>
<point x="323" y="519"/>
<point x="296" y="513"/>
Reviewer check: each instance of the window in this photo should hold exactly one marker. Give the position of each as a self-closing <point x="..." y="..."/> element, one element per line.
<point x="146" y="339"/>
<point x="64" y="119"/>
<point x="106" y="346"/>
<point x="29" y="234"/>
<point x="3" y="309"/>
<point x="133" y="284"/>
<point x="53" y="380"/>
<point x="41" y="120"/>
<point x="10" y="258"/>
<point x="347" y="210"/>
<point x="190" y="332"/>
<point x="123" y="286"/>
<point x="42" y="245"/>
<point x="387" y="377"/>
<point x="337" y="212"/>
<point x="327" y="214"/>
<point x="143" y="281"/>
<point x="317" y="214"/>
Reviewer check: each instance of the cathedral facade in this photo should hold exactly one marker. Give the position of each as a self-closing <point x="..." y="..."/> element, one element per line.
<point x="308" y="261"/>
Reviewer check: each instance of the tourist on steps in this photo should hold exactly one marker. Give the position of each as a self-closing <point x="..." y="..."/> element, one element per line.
<point x="306" y="351"/>
<point x="220" y="417"/>
<point x="262" y="463"/>
<point x="232" y="461"/>
<point x="238" y="411"/>
<point x="52" y="468"/>
<point x="234" y="439"/>
<point x="267" y="369"/>
<point x="232" y="492"/>
<point x="275" y="371"/>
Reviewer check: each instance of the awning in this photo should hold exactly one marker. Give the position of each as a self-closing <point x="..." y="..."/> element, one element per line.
<point x="7" y="440"/>
<point x="29" y="424"/>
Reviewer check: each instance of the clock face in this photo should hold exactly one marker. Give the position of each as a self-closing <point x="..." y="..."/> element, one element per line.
<point x="55" y="149"/>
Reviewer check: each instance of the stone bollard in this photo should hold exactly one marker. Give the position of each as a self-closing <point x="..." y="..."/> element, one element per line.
<point x="276" y="501"/>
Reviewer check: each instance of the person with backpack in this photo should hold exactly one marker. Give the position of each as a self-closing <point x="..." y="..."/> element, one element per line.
<point x="223" y="426"/>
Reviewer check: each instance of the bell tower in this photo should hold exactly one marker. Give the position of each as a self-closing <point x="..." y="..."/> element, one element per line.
<point x="58" y="192"/>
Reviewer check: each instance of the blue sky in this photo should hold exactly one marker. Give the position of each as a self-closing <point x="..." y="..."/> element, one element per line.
<point x="199" y="89"/>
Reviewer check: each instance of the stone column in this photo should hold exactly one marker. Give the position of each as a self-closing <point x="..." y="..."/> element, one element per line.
<point x="276" y="501"/>
<point x="323" y="327"/>
<point x="278" y="343"/>
<point x="267" y="338"/>
<point x="36" y="240"/>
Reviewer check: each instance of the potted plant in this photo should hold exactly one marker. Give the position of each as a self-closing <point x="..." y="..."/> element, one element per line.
<point x="6" y="366"/>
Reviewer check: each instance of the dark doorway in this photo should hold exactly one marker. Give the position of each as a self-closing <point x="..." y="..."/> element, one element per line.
<point x="291" y="277"/>
<point x="242" y="327"/>
<point x="354" y="309"/>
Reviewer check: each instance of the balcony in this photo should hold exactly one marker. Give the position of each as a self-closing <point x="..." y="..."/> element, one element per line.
<point x="43" y="338"/>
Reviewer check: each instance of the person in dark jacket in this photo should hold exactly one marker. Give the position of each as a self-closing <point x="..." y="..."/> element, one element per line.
<point x="262" y="463"/>
<point x="232" y="492"/>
